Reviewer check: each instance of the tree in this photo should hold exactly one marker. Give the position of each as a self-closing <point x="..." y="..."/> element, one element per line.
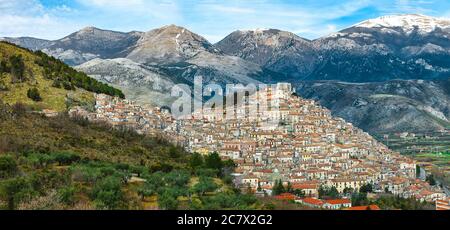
<point x="167" y="201"/>
<point x="3" y="67"/>
<point x="348" y="190"/>
<point x="289" y="187"/>
<point x="359" y="199"/>
<point x="417" y="171"/>
<point x="108" y="193"/>
<point x="17" y="68"/>
<point x="8" y="166"/>
<point x="66" y="158"/>
<point x="196" y="161"/>
<point x="213" y="161"/>
<point x="278" y="188"/>
<point x="12" y="190"/>
<point x="299" y="193"/>
<point x="366" y="188"/>
<point x="34" y="94"/>
<point x="205" y="184"/>
<point x="146" y="190"/>
<point x="177" y="178"/>
<point x="431" y="180"/>
<point x="328" y="192"/>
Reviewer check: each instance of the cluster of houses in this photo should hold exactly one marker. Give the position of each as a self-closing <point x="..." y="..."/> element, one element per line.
<point x="275" y="135"/>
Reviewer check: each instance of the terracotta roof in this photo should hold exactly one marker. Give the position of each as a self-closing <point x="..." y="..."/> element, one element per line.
<point x="304" y="186"/>
<point x="312" y="201"/>
<point x="370" y="207"/>
<point x="285" y="196"/>
<point x="338" y="201"/>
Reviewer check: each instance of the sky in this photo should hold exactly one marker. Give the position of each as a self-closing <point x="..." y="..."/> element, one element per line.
<point x="54" y="19"/>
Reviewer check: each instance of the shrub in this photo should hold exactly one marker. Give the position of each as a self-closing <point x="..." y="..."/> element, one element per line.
<point x="108" y="193"/>
<point x="67" y="195"/>
<point x="66" y="158"/>
<point x="17" y="68"/>
<point x="8" y="166"/>
<point x="34" y="94"/>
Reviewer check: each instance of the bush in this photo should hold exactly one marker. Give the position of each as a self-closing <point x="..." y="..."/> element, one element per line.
<point x="17" y="68"/>
<point x="205" y="184"/>
<point x="67" y="195"/>
<point x="12" y="191"/>
<point x="8" y="166"/>
<point x="3" y="67"/>
<point x="108" y="193"/>
<point x="168" y="201"/>
<point x="66" y="158"/>
<point x="34" y="94"/>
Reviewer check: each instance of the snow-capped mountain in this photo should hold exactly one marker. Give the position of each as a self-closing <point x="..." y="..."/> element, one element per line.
<point x="391" y="47"/>
<point x="407" y="23"/>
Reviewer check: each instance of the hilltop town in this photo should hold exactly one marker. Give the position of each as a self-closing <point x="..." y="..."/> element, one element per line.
<point x="307" y="148"/>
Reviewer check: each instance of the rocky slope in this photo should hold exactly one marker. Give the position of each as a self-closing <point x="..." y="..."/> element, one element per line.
<point x="169" y="44"/>
<point x="28" y="42"/>
<point x="386" y="107"/>
<point x="138" y="82"/>
<point x="90" y="43"/>
<point x="83" y="45"/>
<point x="277" y="50"/>
<point x="172" y="55"/>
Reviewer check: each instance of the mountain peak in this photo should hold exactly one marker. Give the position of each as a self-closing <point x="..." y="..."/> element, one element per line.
<point x="88" y="29"/>
<point x="407" y="21"/>
<point x="170" y="43"/>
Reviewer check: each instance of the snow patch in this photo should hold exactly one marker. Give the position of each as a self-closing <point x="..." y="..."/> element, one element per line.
<point x="408" y="22"/>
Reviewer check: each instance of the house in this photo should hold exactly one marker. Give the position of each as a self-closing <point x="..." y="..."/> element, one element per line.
<point x="337" y="204"/>
<point x="310" y="189"/>
<point x="311" y="202"/>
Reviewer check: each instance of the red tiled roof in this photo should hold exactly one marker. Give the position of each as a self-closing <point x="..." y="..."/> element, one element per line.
<point x="362" y="208"/>
<point x="312" y="201"/>
<point x="304" y="186"/>
<point x="338" y="201"/>
<point x="285" y="196"/>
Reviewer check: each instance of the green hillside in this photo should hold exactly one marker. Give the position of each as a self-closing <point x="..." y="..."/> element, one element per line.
<point x="70" y="163"/>
<point x="43" y="82"/>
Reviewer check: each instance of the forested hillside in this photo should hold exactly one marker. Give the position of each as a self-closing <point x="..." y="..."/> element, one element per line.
<point x="43" y="82"/>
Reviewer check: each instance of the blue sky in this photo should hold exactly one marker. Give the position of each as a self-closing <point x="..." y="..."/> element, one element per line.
<point x="53" y="19"/>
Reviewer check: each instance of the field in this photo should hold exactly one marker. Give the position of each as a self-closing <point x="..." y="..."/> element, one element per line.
<point x="427" y="147"/>
<point x="431" y="150"/>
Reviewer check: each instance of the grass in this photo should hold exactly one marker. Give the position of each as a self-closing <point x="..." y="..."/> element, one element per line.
<point x="52" y="98"/>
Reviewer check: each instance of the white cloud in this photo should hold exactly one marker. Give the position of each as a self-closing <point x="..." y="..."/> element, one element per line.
<point x="305" y="20"/>
<point x="29" y="18"/>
